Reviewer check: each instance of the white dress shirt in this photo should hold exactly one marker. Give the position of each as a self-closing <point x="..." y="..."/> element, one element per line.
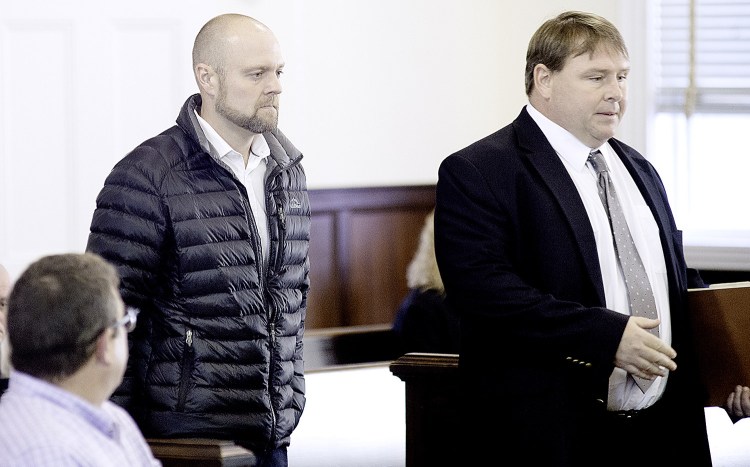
<point x="252" y="176"/>
<point x="624" y="394"/>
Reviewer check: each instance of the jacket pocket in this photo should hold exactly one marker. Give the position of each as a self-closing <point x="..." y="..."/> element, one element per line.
<point x="279" y="257"/>
<point x="186" y="370"/>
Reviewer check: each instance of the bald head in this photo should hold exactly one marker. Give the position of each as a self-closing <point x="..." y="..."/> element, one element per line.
<point x="220" y="34"/>
<point x="237" y="63"/>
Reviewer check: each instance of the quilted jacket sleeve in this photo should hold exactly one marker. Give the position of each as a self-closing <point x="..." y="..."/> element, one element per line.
<point x="128" y="226"/>
<point x="129" y="230"/>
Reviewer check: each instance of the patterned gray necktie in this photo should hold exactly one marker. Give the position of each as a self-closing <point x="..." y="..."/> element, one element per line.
<point x="640" y="295"/>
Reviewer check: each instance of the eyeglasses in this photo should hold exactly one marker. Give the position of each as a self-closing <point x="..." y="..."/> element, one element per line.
<point x="128" y="321"/>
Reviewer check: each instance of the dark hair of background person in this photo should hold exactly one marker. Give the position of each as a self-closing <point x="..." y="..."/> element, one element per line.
<point x="56" y="310"/>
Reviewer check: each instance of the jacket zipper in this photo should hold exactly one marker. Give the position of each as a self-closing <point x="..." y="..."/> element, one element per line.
<point x="271" y="316"/>
<point x="262" y="271"/>
<point x="262" y="278"/>
<point x="271" y="325"/>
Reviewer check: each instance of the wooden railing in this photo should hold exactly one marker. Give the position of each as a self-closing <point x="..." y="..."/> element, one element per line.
<point x="432" y="408"/>
<point x="349" y="345"/>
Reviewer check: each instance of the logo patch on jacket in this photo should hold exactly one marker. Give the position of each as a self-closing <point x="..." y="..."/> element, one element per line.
<point x="294" y="203"/>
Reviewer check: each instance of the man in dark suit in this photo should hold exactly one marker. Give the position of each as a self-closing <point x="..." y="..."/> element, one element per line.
<point x="551" y="354"/>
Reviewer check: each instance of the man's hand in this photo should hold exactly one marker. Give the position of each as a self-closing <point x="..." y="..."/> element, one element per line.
<point x="642" y="354"/>
<point x="738" y="402"/>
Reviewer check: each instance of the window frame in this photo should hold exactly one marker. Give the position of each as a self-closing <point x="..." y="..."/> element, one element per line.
<point x="721" y="251"/>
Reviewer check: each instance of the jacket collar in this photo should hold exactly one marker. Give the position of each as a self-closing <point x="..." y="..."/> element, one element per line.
<point x="283" y="153"/>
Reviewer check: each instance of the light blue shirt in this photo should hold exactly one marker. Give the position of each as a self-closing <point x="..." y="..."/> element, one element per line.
<point x="44" y="425"/>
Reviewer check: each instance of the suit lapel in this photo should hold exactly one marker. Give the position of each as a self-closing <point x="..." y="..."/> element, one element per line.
<point x="543" y="158"/>
<point x="644" y="177"/>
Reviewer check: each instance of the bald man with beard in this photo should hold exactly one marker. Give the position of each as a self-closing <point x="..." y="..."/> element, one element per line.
<point x="208" y="225"/>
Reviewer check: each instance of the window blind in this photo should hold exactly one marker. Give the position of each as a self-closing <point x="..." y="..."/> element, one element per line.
<point x="704" y="49"/>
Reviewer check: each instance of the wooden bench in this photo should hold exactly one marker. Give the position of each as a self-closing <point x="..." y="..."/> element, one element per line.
<point x="200" y="453"/>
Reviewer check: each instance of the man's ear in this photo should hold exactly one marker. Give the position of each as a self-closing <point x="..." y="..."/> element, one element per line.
<point x="207" y="79"/>
<point x="103" y="351"/>
<point x="543" y="80"/>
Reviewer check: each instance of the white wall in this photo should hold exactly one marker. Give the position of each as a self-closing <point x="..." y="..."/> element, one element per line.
<point x="376" y="92"/>
<point x="394" y="86"/>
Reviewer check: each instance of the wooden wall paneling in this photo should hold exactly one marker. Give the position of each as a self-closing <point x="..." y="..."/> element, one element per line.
<point x="324" y="298"/>
<point x="362" y="240"/>
<point x="383" y="243"/>
<point x="344" y="250"/>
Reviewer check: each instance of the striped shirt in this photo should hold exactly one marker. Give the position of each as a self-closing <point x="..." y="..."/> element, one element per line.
<point x="43" y="425"/>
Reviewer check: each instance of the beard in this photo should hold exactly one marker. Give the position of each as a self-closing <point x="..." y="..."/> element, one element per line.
<point x="254" y="123"/>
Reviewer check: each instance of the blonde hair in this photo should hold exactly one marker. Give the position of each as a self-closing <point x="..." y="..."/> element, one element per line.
<point x="423" y="272"/>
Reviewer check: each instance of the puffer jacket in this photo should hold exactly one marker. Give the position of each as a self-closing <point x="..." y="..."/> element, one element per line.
<point x="217" y="352"/>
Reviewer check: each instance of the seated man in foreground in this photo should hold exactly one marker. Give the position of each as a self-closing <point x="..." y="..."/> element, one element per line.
<point x="68" y="328"/>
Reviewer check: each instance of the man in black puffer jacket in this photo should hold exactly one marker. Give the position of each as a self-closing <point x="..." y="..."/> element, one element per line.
<point x="208" y="224"/>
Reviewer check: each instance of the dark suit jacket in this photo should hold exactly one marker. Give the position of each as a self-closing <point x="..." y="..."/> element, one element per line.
<point x="518" y="257"/>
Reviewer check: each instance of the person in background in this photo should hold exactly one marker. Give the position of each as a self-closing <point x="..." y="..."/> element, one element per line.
<point x="208" y="224"/>
<point x="554" y="369"/>
<point x="424" y="322"/>
<point x="4" y="359"/>
<point x="68" y="328"/>
<point x="738" y="402"/>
